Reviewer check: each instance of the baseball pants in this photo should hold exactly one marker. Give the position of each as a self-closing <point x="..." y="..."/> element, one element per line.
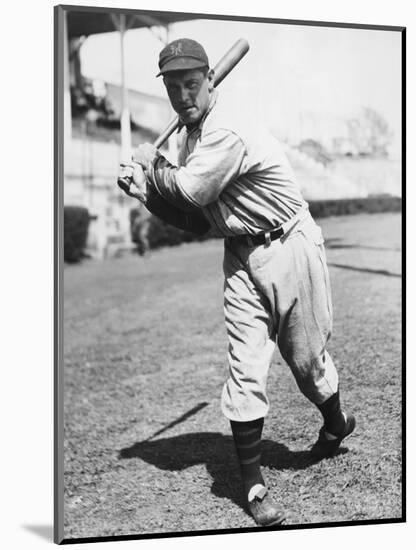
<point x="277" y="294"/>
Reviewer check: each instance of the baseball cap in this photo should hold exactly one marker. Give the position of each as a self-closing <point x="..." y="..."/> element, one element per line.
<point x="181" y="55"/>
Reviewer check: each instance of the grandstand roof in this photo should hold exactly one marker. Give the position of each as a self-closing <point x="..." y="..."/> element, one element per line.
<point x="86" y="21"/>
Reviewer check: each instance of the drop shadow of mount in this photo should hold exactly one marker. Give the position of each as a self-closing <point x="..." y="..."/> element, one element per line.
<point x="217" y="452"/>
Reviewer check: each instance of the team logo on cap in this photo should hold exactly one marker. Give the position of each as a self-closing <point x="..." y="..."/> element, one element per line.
<point x="176" y="49"/>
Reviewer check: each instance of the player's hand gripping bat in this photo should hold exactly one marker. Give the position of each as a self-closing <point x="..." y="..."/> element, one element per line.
<point x="221" y="70"/>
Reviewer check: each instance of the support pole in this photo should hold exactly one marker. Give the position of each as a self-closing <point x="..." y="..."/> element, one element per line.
<point x="125" y="111"/>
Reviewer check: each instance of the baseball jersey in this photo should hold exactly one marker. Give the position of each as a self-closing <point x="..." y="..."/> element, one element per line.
<point x="232" y="169"/>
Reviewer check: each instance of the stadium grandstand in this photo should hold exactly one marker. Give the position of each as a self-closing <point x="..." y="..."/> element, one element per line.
<point x="103" y="121"/>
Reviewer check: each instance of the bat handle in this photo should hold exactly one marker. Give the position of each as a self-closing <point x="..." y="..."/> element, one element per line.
<point x="124" y="183"/>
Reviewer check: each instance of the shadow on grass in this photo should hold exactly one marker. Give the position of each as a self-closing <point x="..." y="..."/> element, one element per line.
<point x="366" y="270"/>
<point x="217" y="452"/>
<point x="337" y="243"/>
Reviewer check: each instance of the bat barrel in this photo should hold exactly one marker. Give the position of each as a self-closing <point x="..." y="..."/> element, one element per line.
<point x="230" y="60"/>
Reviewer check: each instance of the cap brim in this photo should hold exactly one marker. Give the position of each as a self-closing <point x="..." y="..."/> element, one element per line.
<point x="181" y="64"/>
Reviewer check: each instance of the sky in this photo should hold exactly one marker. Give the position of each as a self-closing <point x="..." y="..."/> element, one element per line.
<point x="297" y="78"/>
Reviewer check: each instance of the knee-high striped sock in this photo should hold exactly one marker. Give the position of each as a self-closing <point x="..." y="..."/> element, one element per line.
<point x="334" y="419"/>
<point x="247" y="439"/>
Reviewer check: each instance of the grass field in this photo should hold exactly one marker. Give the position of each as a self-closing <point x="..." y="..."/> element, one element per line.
<point x="145" y="343"/>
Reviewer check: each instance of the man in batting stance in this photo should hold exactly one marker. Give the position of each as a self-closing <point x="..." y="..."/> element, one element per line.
<point x="234" y="180"/>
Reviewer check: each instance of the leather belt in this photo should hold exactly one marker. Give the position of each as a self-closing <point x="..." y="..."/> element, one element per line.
<point x="265" y="238"/>
<point x="269" y="236"/>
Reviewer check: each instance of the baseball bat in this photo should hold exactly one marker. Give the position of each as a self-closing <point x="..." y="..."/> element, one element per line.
<point x="224" y="66"/>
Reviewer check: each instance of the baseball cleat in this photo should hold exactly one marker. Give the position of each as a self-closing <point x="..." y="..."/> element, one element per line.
<point x="264" y="511"/>
<point x="326" y="447"/>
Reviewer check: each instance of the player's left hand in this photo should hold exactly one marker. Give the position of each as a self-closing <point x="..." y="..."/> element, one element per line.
<point x="132" y="181"/>
<point x="145" y="154"/>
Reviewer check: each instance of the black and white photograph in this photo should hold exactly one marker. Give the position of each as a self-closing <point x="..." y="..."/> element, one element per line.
<point x="228" y="256"/>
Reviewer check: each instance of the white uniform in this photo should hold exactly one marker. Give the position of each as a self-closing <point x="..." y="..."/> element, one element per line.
<point x="278" y="292"/>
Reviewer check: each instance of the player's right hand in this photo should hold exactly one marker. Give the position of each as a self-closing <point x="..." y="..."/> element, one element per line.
<point x="132" y="181"/>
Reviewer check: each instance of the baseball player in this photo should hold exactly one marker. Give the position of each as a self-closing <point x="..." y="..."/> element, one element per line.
<point x="234" y="180"/>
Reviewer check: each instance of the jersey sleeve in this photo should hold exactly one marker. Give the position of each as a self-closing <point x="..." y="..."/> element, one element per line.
<point x="195" y="221"/>
<point x="217" y="159"/>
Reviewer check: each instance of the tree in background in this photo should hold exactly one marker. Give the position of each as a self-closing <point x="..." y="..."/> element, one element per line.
<point x="314" y="148"/>
<point x="370" y="133"/>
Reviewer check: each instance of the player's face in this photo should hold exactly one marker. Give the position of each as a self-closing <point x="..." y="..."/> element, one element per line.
<point x="189" y="93"/>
